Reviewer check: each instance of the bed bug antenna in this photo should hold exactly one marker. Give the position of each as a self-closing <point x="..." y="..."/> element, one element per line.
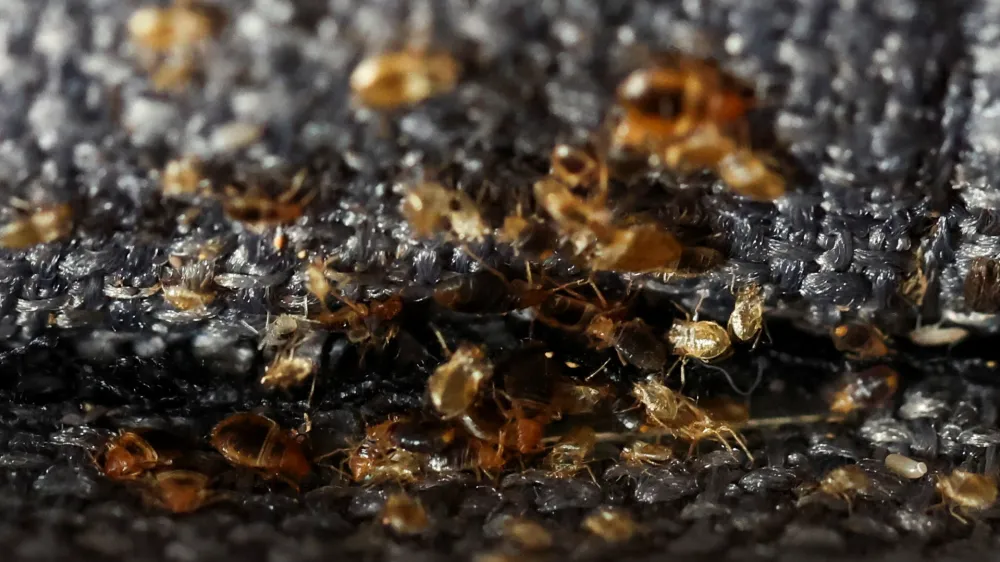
<point x="484" y="265"/>
<point x="441" y="340"/>
<point x="599" y="369"/>
<point x="732" y="384"/>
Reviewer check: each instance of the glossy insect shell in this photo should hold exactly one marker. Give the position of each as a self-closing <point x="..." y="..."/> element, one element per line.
<point x="455" y="384"/>
<point x="968" y="490"/>
<point x="746" y="320"/>
<point x="181" y="491"/>
<point x="404" y="515"/>
<point x="869" y="388"/>
<point x="127" y="456"/>
<point x="256" y="441"/>
<point x="845" y="479"/>
<point x="401" y="78"/>
<point x="701" y="339"/>
<point x="637" y="343"/>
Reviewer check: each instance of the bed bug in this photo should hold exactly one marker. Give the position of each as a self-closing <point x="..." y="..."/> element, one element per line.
<point x="860" y="341"/>
<point x="283" y="330"/>
<point x="258" y="211"/>
<point x="611" y="524"/>
<point x="128" y="456"/>
<point x="191" y="286"/>
<point x="641" y="248"/>
<point x="405" y="515"/>
<point x="182" y="177"/>
<point x="481" y="456"/>
<point x="844" y="482"/>
<point x="454" y="386"/>
<point x="580" y="169"/>
<point x="965" y="491"/>
<point x="431" y="209"/>
<point x="866" y="389"/>
<point x="362" y="323"/>
<point x="171" y="36"/>
<point x="633" y="341"/>
<point x="693" y="117"/>
<point x="403" y="78"/>
<point x="38" y="225"/>
<point x="981" y="288"/>
<point x="639" y="453"/>
<point x="377" y="459"/>
<point x="257" y="442"/>
<point x="522" y="431"/>
<point x="677" y="415"/>
<point x="570" y="398"/>
<point x="179" y="491"/>
<point x="747" y="319"/>
<point x="905" y="466"/>
<point x="183" y="25"/>
<point x="581" y="223"/>
<point x="480" y="292"/>
<point x="528" y="235"/>
<point x="694" y="261"/>
<point x="661" y="403"/>
<point x="698" y="339"/>
<point x="527" y="534"/>
<point x="569" y="456"/>
<point x="287" y="370"/>
<point x="422" y="435"/>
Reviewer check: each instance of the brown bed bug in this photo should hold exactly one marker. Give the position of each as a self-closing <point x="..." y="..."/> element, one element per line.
<point x="581" y="224"/>
<point x="581" y="170"/>
<point x="256" y="210"/>
<point x="613" y="525"/>
<point x="633" y="341"/>
<point x="569" y="456"/>
<point x="392" y="80"/>
<point x="179" y="491"/>
<point x="965" y="492"/>
<point x="571" y="399"/>
<point x="370" y="324"/>
<point x="38" y="225"/>
<point x="405" y="515"/>
<point x="286" y="370"/>
<point x="699" y="339"/>
<point x="845" y="482"/>
<point x="527" y="534"/>
<point x="454" y="386"/>
<point x="690" y="116"/>
<point x="183" y="25"/>
<point x="747" y="319"/>
<point x="255" y="441"/>
<point x="170" y="37"/>
<point x="860" y="341"/>
<point x="430" y="209"/>
<point x="673" y="413"/>
<point x="377" y="459"/>
<point x="870" y="388"/>
<point x="190" y="286"/>
<point x="639" y="453"/>
<point x="703" y="340"/>
<point x="128" y="456"/>
<point x="182" y="177"/>
<point x="641" y="248"/>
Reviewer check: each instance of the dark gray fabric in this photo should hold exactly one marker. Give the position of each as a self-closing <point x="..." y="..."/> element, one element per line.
<point x="883" y="112"/>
